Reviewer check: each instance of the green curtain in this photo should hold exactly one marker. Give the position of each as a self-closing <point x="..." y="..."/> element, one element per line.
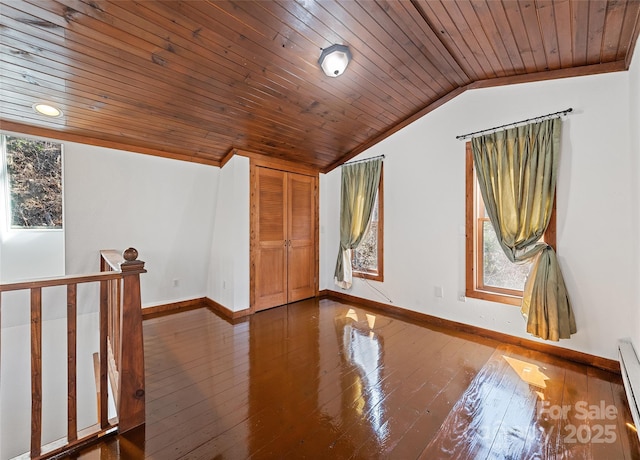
<point x="516" y="170"/>
<point x="358" y="194"/>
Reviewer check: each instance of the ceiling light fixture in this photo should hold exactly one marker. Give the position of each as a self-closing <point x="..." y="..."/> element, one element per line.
<point x="334" y="60"/>
<point x="47" y="110"/>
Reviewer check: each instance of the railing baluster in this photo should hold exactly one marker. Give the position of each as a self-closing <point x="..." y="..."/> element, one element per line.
<point x="110" y="322"/>
<point x="117" y="296"/>
<point x="104" y="359"/>
<point x="36" y="371"/>
<point x="72" y="413"/>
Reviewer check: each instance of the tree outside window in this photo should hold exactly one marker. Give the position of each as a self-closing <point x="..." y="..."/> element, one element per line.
<point x="367" y="259"/>
<point x="33" y="171"/>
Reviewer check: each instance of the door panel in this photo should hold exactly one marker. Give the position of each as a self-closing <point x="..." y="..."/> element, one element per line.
<point x="301" y="279"/>
<point x="271" y="254"/>
<point x="301" y="215"/>
<point x="271" y="282"/>
<point x="301" y="234"/>
<point x="271" y="205"/>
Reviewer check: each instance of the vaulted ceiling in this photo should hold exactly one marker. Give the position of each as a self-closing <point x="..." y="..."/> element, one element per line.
<point x="198" y="80"/>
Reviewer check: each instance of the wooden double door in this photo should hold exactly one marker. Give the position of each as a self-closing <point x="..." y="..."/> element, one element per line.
<point x="284" y="246"/>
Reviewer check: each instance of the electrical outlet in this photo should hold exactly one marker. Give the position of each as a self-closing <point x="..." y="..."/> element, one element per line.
<point x="438" y="292"/>
<point x="176" y="283"/>
<point x="462" y="297"/>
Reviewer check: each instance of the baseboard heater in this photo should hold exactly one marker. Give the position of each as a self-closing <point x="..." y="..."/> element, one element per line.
<point x="630" y="369"/>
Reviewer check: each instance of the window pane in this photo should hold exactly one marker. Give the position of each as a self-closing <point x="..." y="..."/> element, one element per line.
<point x="365" y="256"/>
<point x="34" y="170"/>
<point x="498" y="270"/>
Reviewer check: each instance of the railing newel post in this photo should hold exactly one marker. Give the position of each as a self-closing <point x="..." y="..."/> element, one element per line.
<point x="131" y="404"/>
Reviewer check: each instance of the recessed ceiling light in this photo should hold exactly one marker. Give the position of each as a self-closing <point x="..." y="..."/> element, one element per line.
<point x="47" y="110"/>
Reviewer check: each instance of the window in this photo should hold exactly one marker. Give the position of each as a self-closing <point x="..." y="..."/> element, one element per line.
<point x="490" y="275"/>
<point x="366" y="259"/>
<point x="33" y="185"/>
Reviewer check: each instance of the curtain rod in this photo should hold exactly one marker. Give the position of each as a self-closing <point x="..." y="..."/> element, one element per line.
<point x="562" y="112"/>
<point x="365" y="159"/>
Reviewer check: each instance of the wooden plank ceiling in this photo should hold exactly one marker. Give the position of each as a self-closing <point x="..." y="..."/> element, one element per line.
<point x="195" y="80"/>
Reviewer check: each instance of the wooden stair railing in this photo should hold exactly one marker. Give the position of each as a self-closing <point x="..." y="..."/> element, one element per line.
<point x="122" y="309"/>
<point x="121" y="351"/>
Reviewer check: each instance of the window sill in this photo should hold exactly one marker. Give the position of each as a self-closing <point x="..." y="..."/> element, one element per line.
<point x="368" y="276"/>
<point x="493" y="297"/>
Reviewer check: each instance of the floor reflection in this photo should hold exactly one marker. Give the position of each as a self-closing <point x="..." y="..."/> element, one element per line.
<point x="284" y="364"/>
<point x="528" y="372"/>
<point x="362" y="348"/>
<point x="323" y="364"/>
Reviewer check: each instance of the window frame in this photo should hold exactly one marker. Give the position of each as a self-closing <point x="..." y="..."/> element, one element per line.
<point x="377" y="275"/>
<point x="475" y="287"/>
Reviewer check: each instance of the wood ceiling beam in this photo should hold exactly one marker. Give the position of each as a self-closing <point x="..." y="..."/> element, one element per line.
<point x="21" y="128"/>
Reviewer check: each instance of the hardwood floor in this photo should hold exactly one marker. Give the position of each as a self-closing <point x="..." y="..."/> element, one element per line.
<point x="323" y="379"/>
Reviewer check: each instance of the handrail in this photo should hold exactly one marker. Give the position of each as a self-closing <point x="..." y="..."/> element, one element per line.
<point x="121" y="353"/>
<point x="59" y="281"/>
<point x="113" y="258"/>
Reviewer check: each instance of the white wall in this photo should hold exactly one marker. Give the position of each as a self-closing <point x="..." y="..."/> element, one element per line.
<point x="424" y="205"/>
<point x="112" y="200"/>
<point x="31" y="254"/>
<point x="634" y="85"/>
<point x="28" y="254"/>
<point x="228" y="282"/>
<point x="164" y="208"/>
